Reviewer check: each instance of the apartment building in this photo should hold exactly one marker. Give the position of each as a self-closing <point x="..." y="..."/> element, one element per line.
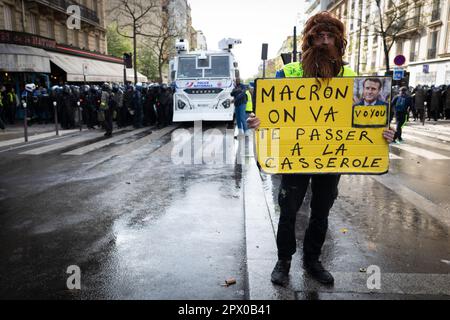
<point x="423" y="37"/>
<point x="55" y="41"/>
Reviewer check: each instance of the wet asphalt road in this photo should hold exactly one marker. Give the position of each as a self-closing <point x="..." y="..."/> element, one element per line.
<point x="138" y="226"/>
<point x="371" y="224"/>
<point x="141" y="227"/>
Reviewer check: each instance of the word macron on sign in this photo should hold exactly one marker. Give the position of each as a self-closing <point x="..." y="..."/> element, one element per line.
<point x="312" y="127"/>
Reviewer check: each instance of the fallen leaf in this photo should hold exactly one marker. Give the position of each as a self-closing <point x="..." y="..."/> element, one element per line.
<point x="364" y="270"/>
<point x="344" y="230"/>
<point x="230" y="281"/>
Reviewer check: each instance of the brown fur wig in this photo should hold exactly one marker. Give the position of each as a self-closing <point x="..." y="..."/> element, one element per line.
<point x="323" y="61"/>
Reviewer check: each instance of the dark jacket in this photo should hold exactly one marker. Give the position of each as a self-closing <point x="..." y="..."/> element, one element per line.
<point x="377" y="103"/>
<point x="239" y="95"/>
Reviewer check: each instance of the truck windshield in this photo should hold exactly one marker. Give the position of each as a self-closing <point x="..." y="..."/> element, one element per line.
<point x="220" y="67"/>
<point x="187" y="68"/>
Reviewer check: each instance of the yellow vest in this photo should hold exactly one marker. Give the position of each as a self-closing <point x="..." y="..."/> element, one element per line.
<point x="249" y="107"/>
<point x="295" y="69"/>
<point x="10" y="97"/>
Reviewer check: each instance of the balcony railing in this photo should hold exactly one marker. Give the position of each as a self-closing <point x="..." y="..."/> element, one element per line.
<point x="86" y="13"/>
<point x="431" y="53"/>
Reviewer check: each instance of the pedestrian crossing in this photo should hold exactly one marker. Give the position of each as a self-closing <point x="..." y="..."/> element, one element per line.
<point x="431" y="142"/>
<point x="85" y="142"/>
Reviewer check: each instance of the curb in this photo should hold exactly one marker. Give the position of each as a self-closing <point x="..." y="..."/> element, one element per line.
<point x="260" y="235"/>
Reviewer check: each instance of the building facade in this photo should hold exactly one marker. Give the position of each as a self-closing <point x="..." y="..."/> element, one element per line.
<point x="50" y="42"/>
<point x="422" y="37"/>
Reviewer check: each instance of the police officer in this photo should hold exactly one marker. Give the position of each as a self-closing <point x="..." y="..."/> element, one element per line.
<point x="165" y="104"/>
<point x="106" y="109"/>
<point x="27" y="97"/>
<point x="44" y="106"/>
<point x="117" y="102"/>
<point x="2" y="107"/>
<point x="137" y="104"/>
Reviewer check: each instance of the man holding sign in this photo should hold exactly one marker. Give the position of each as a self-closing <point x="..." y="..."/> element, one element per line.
<point x="315" y="152"/>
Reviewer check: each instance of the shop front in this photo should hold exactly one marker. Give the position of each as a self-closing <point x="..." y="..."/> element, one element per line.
<point x="27" y="58"/>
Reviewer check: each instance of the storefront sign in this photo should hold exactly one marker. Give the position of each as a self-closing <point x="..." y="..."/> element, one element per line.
<point x="26" y="39"/>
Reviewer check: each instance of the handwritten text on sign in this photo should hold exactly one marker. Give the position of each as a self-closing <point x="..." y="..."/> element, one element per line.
<point x="312" y="128"/>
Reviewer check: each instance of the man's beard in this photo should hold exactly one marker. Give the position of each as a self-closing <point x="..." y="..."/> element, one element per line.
<point x="322" y="62"/>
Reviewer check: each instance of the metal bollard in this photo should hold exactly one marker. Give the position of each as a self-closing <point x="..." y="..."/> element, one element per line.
<point x="79" y="116"/>
<point x="25" y="120"/>
<point x="55" y="109"/>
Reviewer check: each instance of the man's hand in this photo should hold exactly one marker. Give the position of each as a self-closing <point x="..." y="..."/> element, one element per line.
<point x="253" y="122"/>
<point x="389" y="134"/>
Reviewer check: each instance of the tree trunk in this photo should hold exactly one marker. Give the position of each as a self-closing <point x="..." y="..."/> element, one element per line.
<point x="135" y="53"/>
<point x="386" y="54"/>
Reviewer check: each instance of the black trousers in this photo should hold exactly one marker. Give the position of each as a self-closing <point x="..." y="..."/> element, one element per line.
<point x="292" y="192"/>
<point x="401" y="119"/>
<point x="109" y="121"/>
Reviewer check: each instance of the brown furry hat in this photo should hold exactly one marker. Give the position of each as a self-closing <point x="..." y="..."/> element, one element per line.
<point x="324" y="21"/>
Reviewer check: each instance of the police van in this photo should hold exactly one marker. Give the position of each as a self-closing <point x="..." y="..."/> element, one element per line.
<point x="203" y="82"/>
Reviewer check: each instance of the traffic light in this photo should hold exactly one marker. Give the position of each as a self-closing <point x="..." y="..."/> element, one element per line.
<point x="128" y="60"/>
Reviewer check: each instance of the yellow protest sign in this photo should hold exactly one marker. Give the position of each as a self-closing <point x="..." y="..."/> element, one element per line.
<point x="326" y="126"/>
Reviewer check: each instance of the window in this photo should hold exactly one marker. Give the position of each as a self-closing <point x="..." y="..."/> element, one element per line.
<point x="63" y="33"/>
<point x="86" y="41"/>
<point x="220" y="67"/>
<point x="436" y="11"/>
<point x="374" y="59"/>
<point x="432" y="48"/>
<point x="7" y="12"/>
<point x="97" y="43"/>
<point x="76" y="41"/>
<point x="187" y="68"/>
<point x="399" y="47"/>
<point x="51" y="29"/>
<point x="33" y="24"/>
<point x="414" y="49"/>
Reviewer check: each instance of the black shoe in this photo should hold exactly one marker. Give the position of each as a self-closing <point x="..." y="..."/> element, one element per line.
<point x="318" y="272"/>
<point x="280" y="274"/>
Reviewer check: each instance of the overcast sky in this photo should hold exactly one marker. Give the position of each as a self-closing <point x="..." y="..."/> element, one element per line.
<point x="253" y="21"/>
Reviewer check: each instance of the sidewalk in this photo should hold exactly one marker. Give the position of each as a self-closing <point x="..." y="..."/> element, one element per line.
<point x="346" y="255"/>
<point x="16" y="131"/>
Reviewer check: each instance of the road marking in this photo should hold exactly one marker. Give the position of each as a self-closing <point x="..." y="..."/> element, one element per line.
<point x="101" y="144"/>
<point x="67" y="143"/>
<point x="420" y="152"/>
<point x="429" y="143"/>
<point x="391" y="182"/>
<point x="63" y="144"/>
<point x="394" y="156"/>
<point x="391" y="283"/>
<point x="432" y="128"/>
<point x="36" y="137"/>
<point x="428" y="134"/>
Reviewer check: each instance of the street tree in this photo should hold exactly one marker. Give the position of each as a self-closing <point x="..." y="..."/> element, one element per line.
<point x="117" y="44"/>
<point x="163" y="41"/>
<point x="390" y="20"/>
<point x="133" y="16"/>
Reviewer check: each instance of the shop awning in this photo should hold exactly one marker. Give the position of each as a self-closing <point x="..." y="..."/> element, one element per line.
<point x="95" y="70"/>
<point x="15" y="58"/>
